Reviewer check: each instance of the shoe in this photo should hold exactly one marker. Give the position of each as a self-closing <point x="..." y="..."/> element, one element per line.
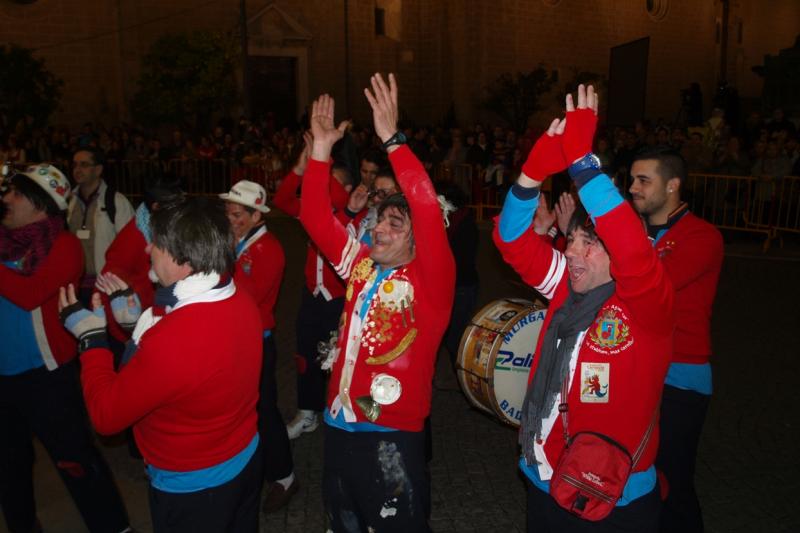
<point x="304" y="422"/>
<point x="277" y="497"/>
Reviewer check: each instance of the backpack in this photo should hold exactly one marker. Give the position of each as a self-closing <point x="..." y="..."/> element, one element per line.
<point x="111" y="206"/>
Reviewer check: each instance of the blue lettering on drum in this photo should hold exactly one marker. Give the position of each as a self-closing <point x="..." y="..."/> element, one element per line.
<point x="509" y="410"/>
<point x="524" y="321"/>
<point x="506" y="360"/>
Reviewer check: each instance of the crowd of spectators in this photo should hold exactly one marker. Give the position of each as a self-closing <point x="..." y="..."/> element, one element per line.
<point x="758" y="147"/>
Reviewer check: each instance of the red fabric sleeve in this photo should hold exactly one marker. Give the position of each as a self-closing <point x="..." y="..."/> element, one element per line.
<point x="285" y="197"/>
<point x="533" y="257"/>
<point x="316" y="214"/>
<point x="642" y="281"/>
<point x="433" y="254"/>
<point x="62" y="266"/>
<point x="116" y="400"/>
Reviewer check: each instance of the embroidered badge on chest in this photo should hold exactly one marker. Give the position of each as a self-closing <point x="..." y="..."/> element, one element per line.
<point x="595" y="382"/>
<point x="247" y="264"/>
<point x="610" y="333"/>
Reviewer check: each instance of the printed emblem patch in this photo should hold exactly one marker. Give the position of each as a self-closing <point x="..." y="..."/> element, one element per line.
<point x="610" y="333"/>
<point x="594" y="382"/>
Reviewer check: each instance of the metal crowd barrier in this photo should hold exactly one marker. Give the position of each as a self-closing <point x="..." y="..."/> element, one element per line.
<point x="761" y="205"/>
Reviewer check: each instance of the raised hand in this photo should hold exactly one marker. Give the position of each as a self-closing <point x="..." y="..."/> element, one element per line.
<point x="546" y="157"/>
<point x="581" y="124"/>
<point x="358" y="199"/>
<point x="325" y="132"/>
<point x="544" y="218"/>
<point x="305" y="154"/>
<point x="383" y="100"/>
<point x="564" y="209"/>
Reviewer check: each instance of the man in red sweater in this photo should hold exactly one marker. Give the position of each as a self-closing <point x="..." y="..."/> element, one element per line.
<point x="322" y="297"/>
<point x="397" y="304"/>
<point x="601" y="362"/>
<point x="691" y="251"/>
<point x="259" y="271"/>
<point x="39" y="391"/>
<point x="190" y="388"/>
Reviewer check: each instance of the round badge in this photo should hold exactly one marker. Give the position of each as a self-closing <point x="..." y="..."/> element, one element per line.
<point x="385" y="389"/>
<point x="388" y="287"/>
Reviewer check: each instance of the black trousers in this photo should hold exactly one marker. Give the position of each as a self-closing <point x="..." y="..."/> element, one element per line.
<point x="546" y="516"/>
<point x="271" y="427"/>
<point x="315" y="321"/>
<point x="460" y="317"/>
<point x="375" y="481"/>
<point x="683" y="413"/>
<point x="231" y="507"/>
<point x="50" y="406"/>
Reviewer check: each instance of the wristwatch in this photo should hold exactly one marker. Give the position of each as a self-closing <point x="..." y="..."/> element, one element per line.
<point x="589" y="161"/>
<point x="395" y="140"/>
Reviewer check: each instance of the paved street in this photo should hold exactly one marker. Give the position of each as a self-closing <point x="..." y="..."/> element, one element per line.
<point x="748" y="469"/>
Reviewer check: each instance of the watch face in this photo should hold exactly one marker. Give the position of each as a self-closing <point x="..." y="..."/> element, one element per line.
<point x="595" y="161"/>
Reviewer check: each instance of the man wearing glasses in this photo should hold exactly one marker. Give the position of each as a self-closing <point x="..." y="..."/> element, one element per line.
<point x="383" y="186"/>
<point x="95" y="214"/>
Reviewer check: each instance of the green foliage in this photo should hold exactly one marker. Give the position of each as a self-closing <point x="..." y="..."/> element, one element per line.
<point x="186" y="78"/>
<point x="515" y="98"/>
<point x="27" y="88"/>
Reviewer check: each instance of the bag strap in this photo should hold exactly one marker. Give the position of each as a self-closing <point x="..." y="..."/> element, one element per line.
<point x="563" y="409"/>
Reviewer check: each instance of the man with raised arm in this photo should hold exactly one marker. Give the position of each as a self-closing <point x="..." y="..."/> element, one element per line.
<point x="397" y="304"/>
<point x="600" y="364"/>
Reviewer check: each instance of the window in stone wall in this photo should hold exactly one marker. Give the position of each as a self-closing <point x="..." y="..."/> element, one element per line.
<point x="389" y="18"/>
<point x="657" y="9"/>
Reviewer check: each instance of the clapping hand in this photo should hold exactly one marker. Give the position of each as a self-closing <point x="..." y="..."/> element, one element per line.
<point x="544" y="218"/>
<point x="383" y="101"/>
<point x="325" y="132"/>
<point x="89" y="327"/>
<point x="581" y="124"/>
<point x="564" y="209"/>
<point x="125" y="304"/>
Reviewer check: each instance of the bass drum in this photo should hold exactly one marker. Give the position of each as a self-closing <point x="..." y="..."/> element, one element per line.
<point x="495" y="356"/>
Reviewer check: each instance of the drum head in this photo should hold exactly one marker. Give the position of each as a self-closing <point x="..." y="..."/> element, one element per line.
<point x="495" y="356"/>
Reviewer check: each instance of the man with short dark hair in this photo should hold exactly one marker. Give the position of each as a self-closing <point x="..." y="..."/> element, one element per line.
<point x="397" y="304"/>
<point x="95" y="214"/>
<point x="39" y="391"/>
<point x="691" y="251"/>
<point x="259" y="270"/>
<point x="190" y="387"/>
<point x="371" y="163"/>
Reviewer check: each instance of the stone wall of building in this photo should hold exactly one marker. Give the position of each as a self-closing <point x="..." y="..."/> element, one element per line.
<point x="445" y="52"/>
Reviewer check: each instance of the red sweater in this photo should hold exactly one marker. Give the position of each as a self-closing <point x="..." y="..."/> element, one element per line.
<point x="691" y="251"/>
<point x="627" y="347"/>
<point x="38" y="294"/>
<point x="399" y="338"/>
<point x="126" y="257"/>
<point x="259" y="271"/>
<point x="190" y="390"/>
<point x="318" y="272"/>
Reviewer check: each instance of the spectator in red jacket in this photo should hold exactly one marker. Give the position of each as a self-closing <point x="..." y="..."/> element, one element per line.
<point x="259" y="271"/>
<point x="397" y="305"/>
<point x="39" y="392"/>
<point x="691" y="251"/>
<point x="190" y="388"/>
